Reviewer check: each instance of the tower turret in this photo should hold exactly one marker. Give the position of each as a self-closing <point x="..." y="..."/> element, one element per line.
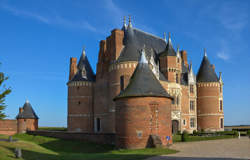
<point x="26" y="118"/>
<point x="143" y="96"/>
<point x="170" y="62"/>
<point x="80" y="97"/>
<point x="209" y="98"/>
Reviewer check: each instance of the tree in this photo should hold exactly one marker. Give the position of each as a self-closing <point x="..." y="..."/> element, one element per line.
<point x="3" y="93"/>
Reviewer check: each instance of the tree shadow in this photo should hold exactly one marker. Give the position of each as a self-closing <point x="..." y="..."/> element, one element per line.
<point x="191" y="158"/>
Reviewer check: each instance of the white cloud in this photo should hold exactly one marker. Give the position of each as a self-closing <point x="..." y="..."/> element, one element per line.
<point x="222" y="55"/>
<point x="52" y="20"/>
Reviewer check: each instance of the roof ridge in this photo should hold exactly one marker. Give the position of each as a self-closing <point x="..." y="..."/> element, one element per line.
<point x="150" y="34"/>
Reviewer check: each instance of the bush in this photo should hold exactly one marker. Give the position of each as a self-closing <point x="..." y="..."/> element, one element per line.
<point x="248" y="132"/>
<point x="236" y="133"/>
<point x="184" y="136"/>
<point x="195" y="133"/>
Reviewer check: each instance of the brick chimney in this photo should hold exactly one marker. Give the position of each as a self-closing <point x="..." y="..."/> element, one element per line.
<point x="184" y="57"/>
<point x="73" y="68"/>
<point x="20" y="109"/>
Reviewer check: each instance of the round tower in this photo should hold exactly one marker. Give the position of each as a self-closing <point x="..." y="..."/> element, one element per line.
<point x="27" y="120"/>
<point x="143" y="111"/>
<point x="209" y="98"/>
<point x="80" y="106"/>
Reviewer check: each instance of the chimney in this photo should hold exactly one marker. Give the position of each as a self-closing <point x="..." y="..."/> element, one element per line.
<point x="73" y="68"/>
<point x="213" y="66"/>
<point x="184" y="57"/>
<point x="20" y="109"/>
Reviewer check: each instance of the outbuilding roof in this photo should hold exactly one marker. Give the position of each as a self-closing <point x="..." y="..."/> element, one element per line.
<point x="27" y="113"/>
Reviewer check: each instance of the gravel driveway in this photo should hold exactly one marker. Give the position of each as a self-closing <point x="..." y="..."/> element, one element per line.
<point x="226" y="149"/>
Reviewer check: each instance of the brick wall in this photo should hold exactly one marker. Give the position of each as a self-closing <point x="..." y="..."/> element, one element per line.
<point x="8" y="127"/>
<point x="101" y="138"/>
<point x="140" y="117"/>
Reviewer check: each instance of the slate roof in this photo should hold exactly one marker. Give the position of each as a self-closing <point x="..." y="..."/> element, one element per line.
<point x="206" y="72"/>
<point x="84" y="70"/>
<point x="169" y="50"/>
<point x="28" y="112"/>
<point x="134" y="40"/>
<point x="143" y="83"/>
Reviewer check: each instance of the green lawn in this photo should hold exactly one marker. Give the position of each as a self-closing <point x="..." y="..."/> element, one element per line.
<point x="177" y="138"/>
<point x="52" y="128"/>
<point x="46" y="148"/>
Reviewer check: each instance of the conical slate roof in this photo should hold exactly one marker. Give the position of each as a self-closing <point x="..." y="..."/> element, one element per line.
<point x="206" y="72"/>
<point x="27" y="113"/>
<point x="135" y="39"/>
<point x="169" y="50"/>
<point x="84" y="70"/>
<point x="143" y="82"/>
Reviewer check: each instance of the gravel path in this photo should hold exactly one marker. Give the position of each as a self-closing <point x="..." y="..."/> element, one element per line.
<point x="226" y="149"/>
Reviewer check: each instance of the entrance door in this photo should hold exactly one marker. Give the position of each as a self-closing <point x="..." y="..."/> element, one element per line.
<point x="175" y="126"/>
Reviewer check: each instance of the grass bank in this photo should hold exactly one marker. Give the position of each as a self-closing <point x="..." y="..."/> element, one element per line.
<point x="39" y="147"/>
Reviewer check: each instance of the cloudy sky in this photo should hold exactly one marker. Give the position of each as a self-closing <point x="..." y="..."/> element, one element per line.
<point x="37" y="39"/>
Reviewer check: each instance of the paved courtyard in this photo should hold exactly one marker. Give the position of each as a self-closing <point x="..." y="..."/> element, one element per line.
<point x="226" y="149"/>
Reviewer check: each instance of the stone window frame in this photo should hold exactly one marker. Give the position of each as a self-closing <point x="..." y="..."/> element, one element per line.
<point x="221" y="118"/>
<point x="192" y="110"/>
<point x="184" y="122"/>
<point x="219" y="107"/>
<point x="190" y="120"/>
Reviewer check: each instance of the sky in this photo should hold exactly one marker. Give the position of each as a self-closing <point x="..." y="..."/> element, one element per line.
<point x="37" y="39"/>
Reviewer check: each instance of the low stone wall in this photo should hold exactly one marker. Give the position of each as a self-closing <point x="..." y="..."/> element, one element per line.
<point x="102" y="138"/>
<point x="8" y="127"/>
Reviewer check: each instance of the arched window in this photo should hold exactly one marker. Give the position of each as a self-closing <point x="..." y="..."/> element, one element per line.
<point x="221" y="123"/>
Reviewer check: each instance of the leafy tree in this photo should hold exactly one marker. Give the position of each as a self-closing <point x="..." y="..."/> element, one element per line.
<point x="3" y="93"/>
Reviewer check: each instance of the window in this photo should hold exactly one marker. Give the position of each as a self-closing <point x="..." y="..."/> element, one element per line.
<point x="79" y="102"/>
<point x="178" y="60"/>
<point x="177" y="78"/>
<point x="191" y="105"/>
<point x="221" y="123"/>
<point x="192" y="122"/>
<point x="173" y="101"/>
<point x="221" y="105"/>
<point x="220" y="88"/>
<point x="98" y="124"/>
<point x="184" y="122"/>
<point x="177" y="101"/>
<point x="122" y="83"/>
<point x="191" y="88"/>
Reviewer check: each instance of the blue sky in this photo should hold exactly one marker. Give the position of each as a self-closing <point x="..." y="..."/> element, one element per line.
<point x="37" y="39"/>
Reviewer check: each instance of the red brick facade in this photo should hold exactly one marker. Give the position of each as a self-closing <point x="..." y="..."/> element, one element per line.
<point x="97" y="112"/>
<point x="8" y="127"/>
<point x="140" y="117"/>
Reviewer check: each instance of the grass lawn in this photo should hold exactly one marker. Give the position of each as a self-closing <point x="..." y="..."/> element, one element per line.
<point x="46" y="148"/>
<point x="52" y="128"/>
<point x="177" y="138"/>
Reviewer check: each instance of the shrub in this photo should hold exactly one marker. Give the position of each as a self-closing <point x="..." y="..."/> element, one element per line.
<point x="184" y="136"/>
<point x="195" y="133"/>
<point x="248" y="132"/>
<point x="236" y="133"/>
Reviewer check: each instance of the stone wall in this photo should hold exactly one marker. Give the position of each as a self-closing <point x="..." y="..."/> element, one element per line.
<point x="8" y="127"/>
<point x="102" y="138"/>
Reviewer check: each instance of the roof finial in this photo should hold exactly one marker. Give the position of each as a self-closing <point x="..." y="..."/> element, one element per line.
<point x="124" y="21"/>
<point x="129" y="21"/>
<point x="27" y="101"/>
<point x="220" y="78"/>
<point x="165" y="37"/>
<point x="178" y="51"/>
<point x="83" y="51"/>
<point x="143" y="56"/>
<point x="190" y="66"/>
<point x="205" y="52"/>
<point x="169" y="37"/>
